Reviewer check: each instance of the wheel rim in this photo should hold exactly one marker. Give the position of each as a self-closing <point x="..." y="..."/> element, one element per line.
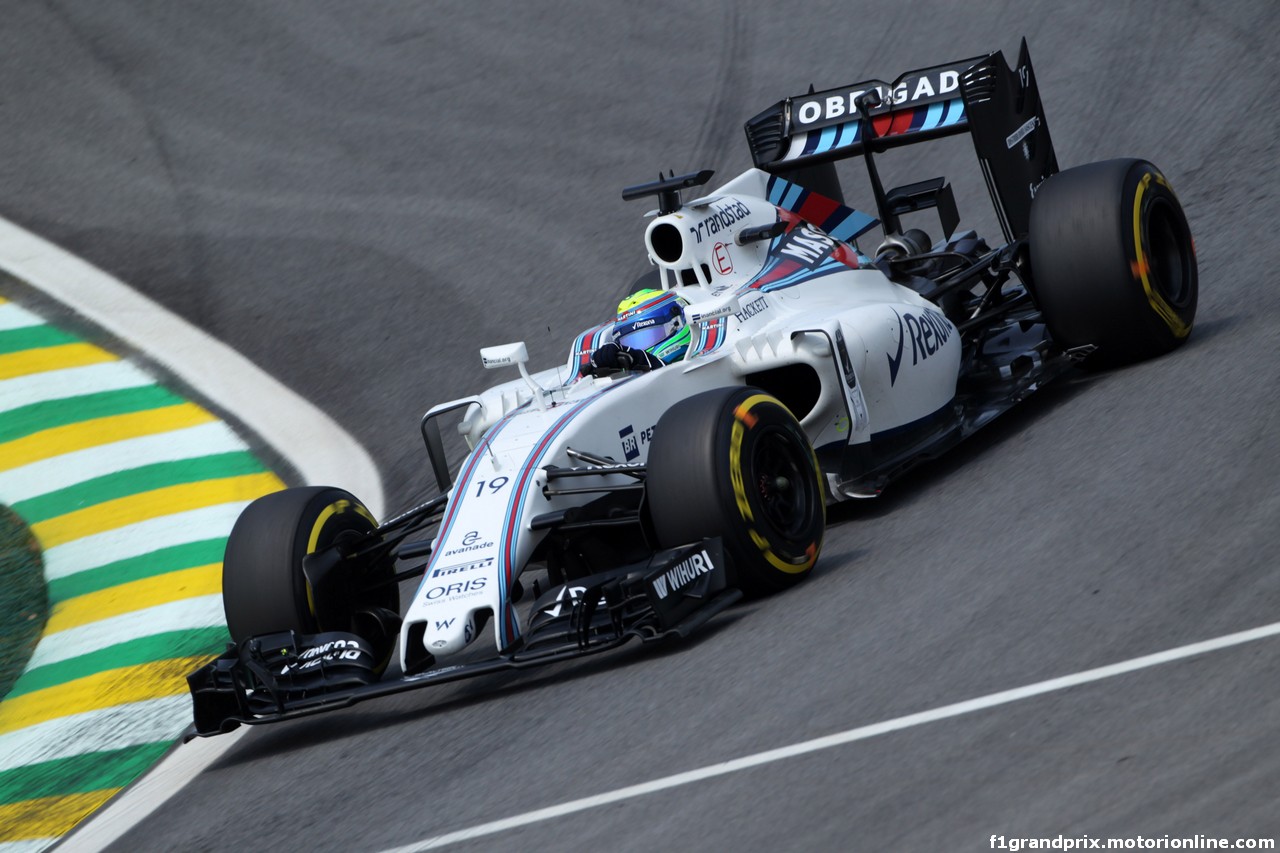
<point x="778" y="474"/>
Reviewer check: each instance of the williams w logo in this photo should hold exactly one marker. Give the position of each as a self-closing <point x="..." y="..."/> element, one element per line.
<point x="683" y="574"/>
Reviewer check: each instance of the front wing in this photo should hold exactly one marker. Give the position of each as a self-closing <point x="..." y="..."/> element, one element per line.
<point x="287" y="675"/>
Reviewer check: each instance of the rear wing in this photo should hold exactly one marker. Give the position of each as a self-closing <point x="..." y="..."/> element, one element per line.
<point x="998" y="106"/>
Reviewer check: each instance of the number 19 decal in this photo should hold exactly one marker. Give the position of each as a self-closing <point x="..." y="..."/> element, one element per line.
<point x="495" y="485"/>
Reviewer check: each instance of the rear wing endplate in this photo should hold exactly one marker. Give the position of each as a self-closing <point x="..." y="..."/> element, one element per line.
<point x="997" y="105"/>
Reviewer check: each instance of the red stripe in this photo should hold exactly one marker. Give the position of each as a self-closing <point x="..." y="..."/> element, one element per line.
<point x="881" y="124"/>
<point x="817" y="209"/>
<point x="782" y="270"/>
<point x="901" y="122"/>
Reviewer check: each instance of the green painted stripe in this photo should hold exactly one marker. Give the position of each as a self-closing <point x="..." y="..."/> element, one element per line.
<point x="80" y="774"/>
<point x="172" y="559"/>
<point x="55" y="413"/>
<point x="174" y="644"/>
<point x="134" y="481"/>
<point x="33" y="337"/>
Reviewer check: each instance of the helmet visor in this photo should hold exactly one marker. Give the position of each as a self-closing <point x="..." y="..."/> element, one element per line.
<point x="646" y="337"/>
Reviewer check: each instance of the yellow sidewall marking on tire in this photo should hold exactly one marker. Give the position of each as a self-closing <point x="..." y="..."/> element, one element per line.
<point x="335" y="508"/>
<point x="111" y="514"/>
<point x="1170" y="317"/>
<point x="742" y="414"/>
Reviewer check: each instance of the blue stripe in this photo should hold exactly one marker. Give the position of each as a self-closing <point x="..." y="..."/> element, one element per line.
<point x="826" y="140"/>
<point x="792" y="195"/>
<point x="825" y="268"/>
<point x="853" y="226"/>
<point x="777" y="186"/>
<point x="848" y="134"/>
<point x="933" y="117"/>
<point x="955" y="112"/>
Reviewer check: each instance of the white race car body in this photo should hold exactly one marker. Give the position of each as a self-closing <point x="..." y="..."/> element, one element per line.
<point x="882" y="356"/>
<point x="603" y="501"/>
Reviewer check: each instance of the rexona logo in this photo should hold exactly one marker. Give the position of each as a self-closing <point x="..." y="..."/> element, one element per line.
<point x="682" y="574"/>
<point x="929" y="332"/>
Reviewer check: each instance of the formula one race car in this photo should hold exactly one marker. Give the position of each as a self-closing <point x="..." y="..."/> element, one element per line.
<point x="683" y="454"/>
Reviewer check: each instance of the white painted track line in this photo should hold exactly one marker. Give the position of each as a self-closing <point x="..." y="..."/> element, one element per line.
<point x="725" y="768"/>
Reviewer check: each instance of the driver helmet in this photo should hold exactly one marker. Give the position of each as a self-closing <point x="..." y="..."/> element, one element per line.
<point x="653" y="320"/>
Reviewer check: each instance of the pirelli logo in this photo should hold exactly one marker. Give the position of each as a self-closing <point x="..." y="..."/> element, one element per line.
<point x="682" y="574"/>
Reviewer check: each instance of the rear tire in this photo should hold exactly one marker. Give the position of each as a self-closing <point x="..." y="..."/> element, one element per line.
<point x="1112" y="260"/>
<point x="263" y="587"/>
<point x="735" y="463"/>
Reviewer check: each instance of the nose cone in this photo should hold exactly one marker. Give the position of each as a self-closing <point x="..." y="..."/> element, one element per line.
<point x="449" y="634"/>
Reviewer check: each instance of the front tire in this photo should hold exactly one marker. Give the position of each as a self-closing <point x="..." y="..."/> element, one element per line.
<point x="264" y="589"/>
<point x="735" y="463"/>
<point x="1112" y="261"/>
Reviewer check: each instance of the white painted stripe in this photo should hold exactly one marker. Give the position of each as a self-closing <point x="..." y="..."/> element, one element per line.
<point x="59" y="472"/>
<point x="30" y="845"/>
<point x="830" y="741"/>
<point x="71" y="382"/>
<point x="312" y="441"/>
<point x="134" y="540"/>
<point x="132" y="724"/>
<point x="14" y="316"/>
<point x="203" y="611"/>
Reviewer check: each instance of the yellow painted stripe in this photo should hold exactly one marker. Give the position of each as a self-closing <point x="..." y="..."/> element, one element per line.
<point x="111" y="514"/>
<point x="101" y="690"/>
<point x="135" y="595"/>
<point x="39" y="360"/>
<point x="66" y="439"/>
<point x="49" y="817"/>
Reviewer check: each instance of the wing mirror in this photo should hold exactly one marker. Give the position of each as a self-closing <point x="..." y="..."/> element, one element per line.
<point x="517" y="353"/>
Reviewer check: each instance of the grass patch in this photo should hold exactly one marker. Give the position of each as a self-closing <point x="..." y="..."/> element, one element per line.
<point x="24" y="600"/>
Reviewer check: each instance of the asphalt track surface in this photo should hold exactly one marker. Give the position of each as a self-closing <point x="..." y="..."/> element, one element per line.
<point x="358" y="197"/>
